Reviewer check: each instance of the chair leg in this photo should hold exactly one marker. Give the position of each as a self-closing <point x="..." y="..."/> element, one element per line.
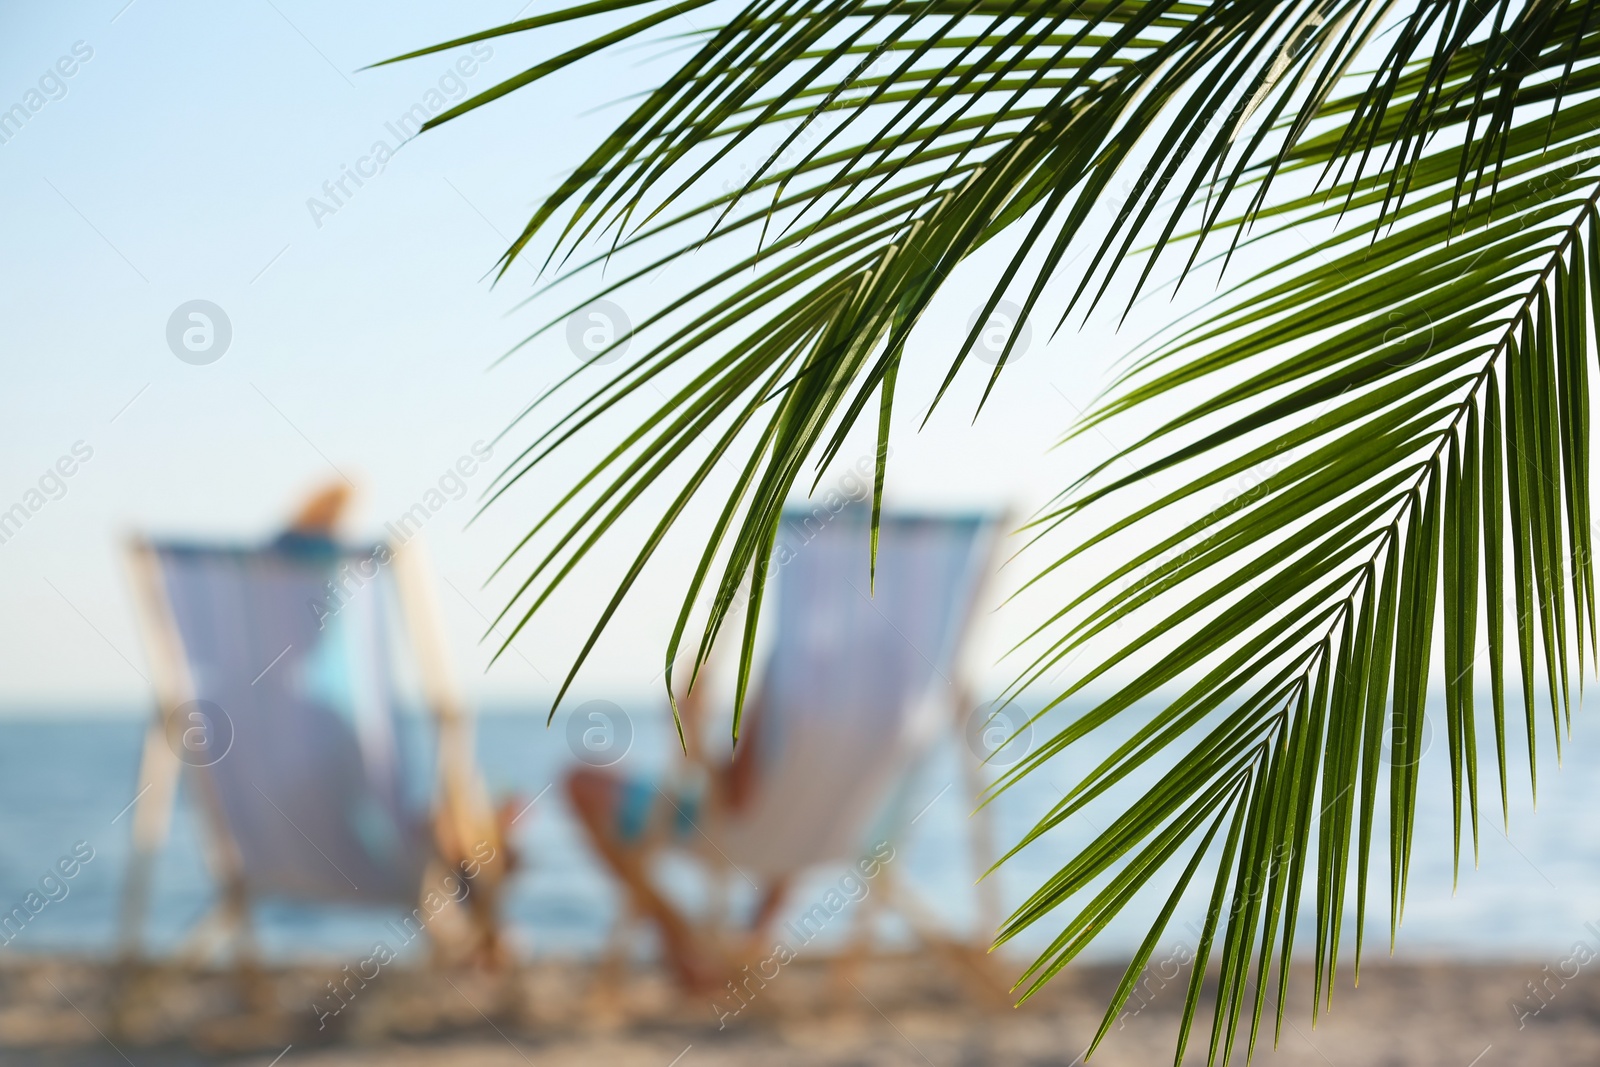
<point x="845" y="968"/>
<point x="970" y="961"/>
<point x="605" y="1003"/>
<point x="255" y="987"/>
<point x="202" y="941"/>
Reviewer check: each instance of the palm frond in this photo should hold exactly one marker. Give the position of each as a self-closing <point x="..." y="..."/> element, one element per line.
<point x="1411" y="390"/>
<point x="928" y="130"/>
<point x="1403" y="397"/>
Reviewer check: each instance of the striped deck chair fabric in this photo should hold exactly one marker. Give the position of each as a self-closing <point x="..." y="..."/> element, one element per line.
<point x="313" y="787"/>
<point x="861" y="678"/>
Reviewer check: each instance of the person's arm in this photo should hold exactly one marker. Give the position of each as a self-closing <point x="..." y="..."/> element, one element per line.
<point x="691" y="710"/>
<point x="734" y="781"/>
<point x="743" y="771"/>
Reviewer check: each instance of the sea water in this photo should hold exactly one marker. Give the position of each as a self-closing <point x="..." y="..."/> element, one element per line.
<point x="67" y="781"/>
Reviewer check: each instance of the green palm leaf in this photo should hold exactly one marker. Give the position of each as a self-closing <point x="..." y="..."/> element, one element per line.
<point x="1407" y="394"/>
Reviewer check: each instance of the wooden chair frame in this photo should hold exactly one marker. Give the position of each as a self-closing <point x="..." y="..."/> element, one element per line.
<point x="969" y="960"/>
<point x="462" y="800"/>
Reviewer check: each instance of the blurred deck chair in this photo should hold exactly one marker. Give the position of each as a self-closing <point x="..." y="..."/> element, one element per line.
<point x="863" y="677"/>
<point x="279" y="701"/>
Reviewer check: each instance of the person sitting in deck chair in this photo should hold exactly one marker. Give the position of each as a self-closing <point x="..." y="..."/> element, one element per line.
<point x="860" y="680"/>
<point x="314" y="529"/>
<point x="278" y="664"/>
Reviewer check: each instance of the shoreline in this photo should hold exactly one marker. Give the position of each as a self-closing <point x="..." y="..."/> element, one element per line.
<point x="918" y="1008"/>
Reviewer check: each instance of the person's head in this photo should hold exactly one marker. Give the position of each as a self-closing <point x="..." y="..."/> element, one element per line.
<point x="322" y="511"/>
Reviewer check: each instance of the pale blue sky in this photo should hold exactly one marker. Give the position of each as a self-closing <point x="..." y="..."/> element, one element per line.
<point x="178" y="165"/>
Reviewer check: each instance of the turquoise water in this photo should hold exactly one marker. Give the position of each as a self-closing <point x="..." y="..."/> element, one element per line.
<point x="64" y="780"/>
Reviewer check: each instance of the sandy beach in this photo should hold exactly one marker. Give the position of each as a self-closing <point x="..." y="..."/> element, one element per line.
<point x="914" y="1010"/>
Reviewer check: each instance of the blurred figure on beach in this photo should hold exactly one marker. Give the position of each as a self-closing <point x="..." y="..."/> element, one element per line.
<point x="314" y="529"/>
